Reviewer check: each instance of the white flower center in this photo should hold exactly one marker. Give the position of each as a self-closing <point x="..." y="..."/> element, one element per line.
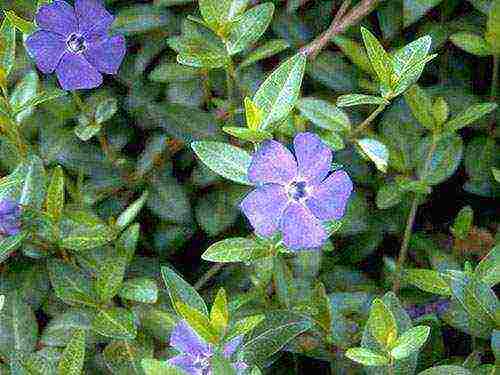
<point x="76" y="43"/>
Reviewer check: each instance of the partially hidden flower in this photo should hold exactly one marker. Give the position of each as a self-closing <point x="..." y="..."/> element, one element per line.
<point x="75" y="43"/>
<point x="196" y="355"/>
<point x="10" y="212"/>
<point x="295" y="195"/>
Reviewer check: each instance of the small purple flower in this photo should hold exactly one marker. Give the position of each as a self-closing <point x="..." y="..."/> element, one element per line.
<point x="75" y="43"/>
<point x="10" y="212"/>
<point x="438" y="307"/>
<point x="295" y="194"/>
<point x="196" y="354"/>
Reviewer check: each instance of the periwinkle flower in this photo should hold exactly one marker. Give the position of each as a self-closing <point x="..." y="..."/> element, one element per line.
<point x="75" y="43"/>
<point x="295" y="194"/>
<point x="196" y="355"/>
<point x="10" y="212"/>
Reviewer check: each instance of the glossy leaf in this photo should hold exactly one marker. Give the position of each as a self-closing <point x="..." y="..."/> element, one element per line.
<point x="229" y="161"/>
<point x="428" y="280"/>
<point x="280" y="91"/>
<point x="376" y="151"/>
<point x="324" y="114"/>
<point x="488" y="270"/>
<point x="410" y="342"/>
<point x="116" y="323"/>
<point x="469" y="116"/>
<point x="366" y="357"/>
<point x="382" y="324"/>
<point x="359" y="99"/>
<point x="236" y="250"/>
<point x="249" y="27"/>
<point x="268" y="49"/>
<point x="54" y="204"/>
<point x="471" y="43"/>
<point x="379" y="58"/>
<point x="141" y="289"/>
<point x="73" y="356"/>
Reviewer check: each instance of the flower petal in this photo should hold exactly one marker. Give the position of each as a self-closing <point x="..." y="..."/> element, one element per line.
<point x="232" y="345"/>
<point x="8" y="206"/>
<point x="107" y="55"/>
<point x="301" y="230"/>
<point x="185" y="340"/>
<point x="328" y="201"/>
<point x="75" y="72"/>
<point x="272" y="163"/>
<point x="47" y="48"/>
<point x="58" y="17"/>
<point x="93" y="19"/>
<point x="240" y="367"/>
<point x="185" y="362"/>
<point x="263" y="207"/>
<point x="313" y="157"/>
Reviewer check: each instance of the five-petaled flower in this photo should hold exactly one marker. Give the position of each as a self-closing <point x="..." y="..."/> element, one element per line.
<point x="75" y="43"/>
<point x="294" y="195"/>
<point x="10" y="212"/>
<point x="196" y="354"/>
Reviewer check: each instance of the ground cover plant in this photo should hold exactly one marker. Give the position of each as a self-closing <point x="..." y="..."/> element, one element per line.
<point x="249" y="187"/>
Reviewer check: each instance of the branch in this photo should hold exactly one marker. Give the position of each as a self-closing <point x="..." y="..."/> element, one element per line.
<point x="342" y="21"/>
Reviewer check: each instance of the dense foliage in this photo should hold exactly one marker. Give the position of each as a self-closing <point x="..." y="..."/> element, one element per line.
<point x="249" y="187"/>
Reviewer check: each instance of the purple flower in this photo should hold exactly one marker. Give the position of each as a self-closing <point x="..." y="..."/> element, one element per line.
<point x="9" y="218"/>
<point x="74" y="42"/>
<point x="295" y="194"/>
<point x="196" y="354"/>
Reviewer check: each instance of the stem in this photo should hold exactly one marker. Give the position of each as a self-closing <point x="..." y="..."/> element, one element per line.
<point x="494" y="79"/>
<point x="208" y="275"/>
<point x="361" y="127"/>
<point x="403" y="252"/>
<point x="342" y="21"/>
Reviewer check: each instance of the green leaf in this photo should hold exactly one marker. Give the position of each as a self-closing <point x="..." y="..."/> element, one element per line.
<point x="389" y="195"/>
<point x="105" y="110"/>
<point x="18" y="327"/>
<point x="471" y="43"/>
<point x="73" y="356"/>
<point x="54" y="204"/>
<point x="236" y="250"/>
<point x="428" y="280"/>
<point x="172" y="72"/>
<point x="409" y="61"/>
<point x="469" y="116"/>
<point x="481" y="302"/>
<point x="7" y="46"/>
<point x="272" y="335"/>
<point x="253" y="114"/>
<point x="354" y="52"/>
<point x="141" y="18"/>
<point x="493" y="27"/>
<point x="376" y="151"/>
<point x="280" y="91"/>
<point x="130" y="214"/>
<point x="324" y="114"/>
<point x="495" y="344"/>
<point x="26" y="27"/>
<point x="382" y="324"/>
<point x="70" y="284"/>
<point x="180" y="291"/>
<point x="110" y="277"/>
<point x="245" y="134"/>
<point x="244" y="326"/>
<point x="229" y="161"/>
<point x="446" y="370"/>
<point x="420" y="104"/>
<point x="116" y="323"/>
<point x="366" y="357"/>
<point x="410" y="342"/>
<point x="440" y="111"/>
<point x="488" y="270"/>
<point x="444" y="160"/>
<point x="268" y="49"/>
<point x="39" y="98"/>
<point x="154" y="367"/>
<point x="125" y="356"/>
<point x="496" y="174"/>
<point x="60" y="330"/>
<point x="216" y="13"/>
<point x="351" y="100"/>
<point x="10" y="244"/>
<point x="24" y="91"/>
<point x="332" y="140"/>
<point x="198" y="321"/>
<point x="82" y="230"/>
<point x="249" y="27"/>
<point x="140" y="289"/>
<point x="463" y="223"/>
<point x="219" y="314"/>
<point x="379" y="58"/>
<point x="414" y="10"/>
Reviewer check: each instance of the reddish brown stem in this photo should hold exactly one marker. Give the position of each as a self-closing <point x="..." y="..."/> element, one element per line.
<point x="342" y="21"/>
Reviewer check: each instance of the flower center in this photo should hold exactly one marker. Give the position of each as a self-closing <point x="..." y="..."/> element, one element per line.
<point x="202" y="365"/>
<point x="297" y="190"/>
<point x="76" y="43"/>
